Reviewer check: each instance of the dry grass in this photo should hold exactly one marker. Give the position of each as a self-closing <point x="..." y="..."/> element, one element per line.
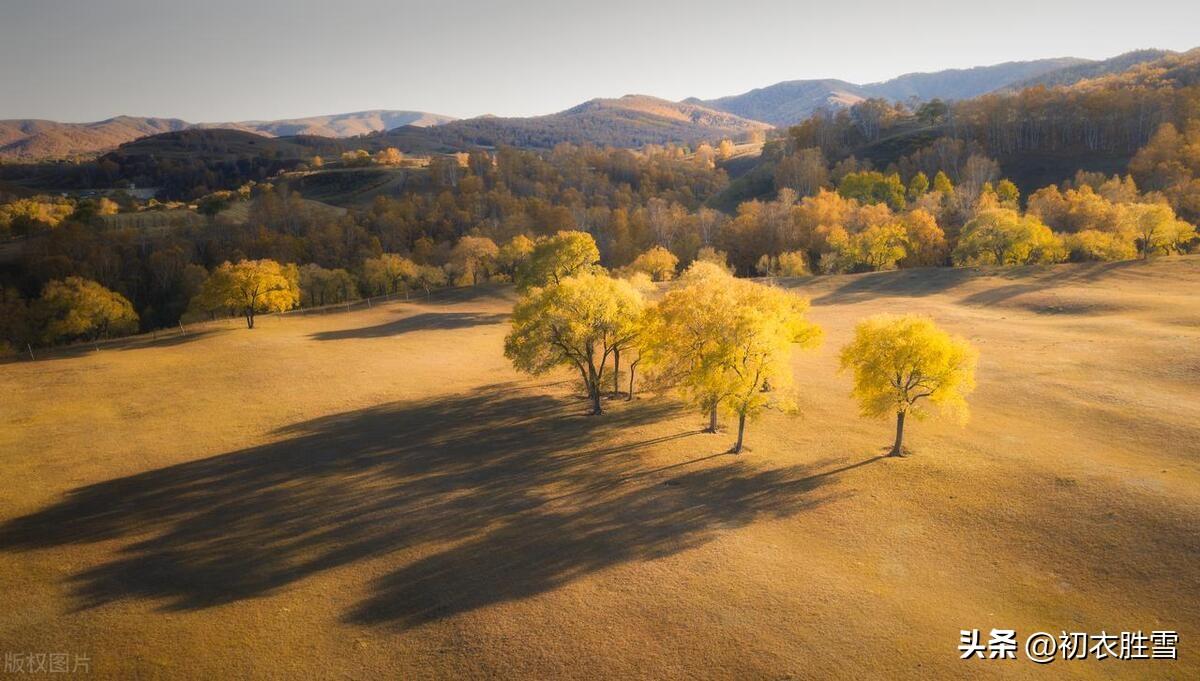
<point x="377" y="494"/>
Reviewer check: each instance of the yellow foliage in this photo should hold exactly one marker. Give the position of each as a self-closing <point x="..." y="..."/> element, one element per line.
<point x="898" y="361"/>
<point x="657" y="262"/>
<point x="578" y="322"/>
<point x="80" y="308"/>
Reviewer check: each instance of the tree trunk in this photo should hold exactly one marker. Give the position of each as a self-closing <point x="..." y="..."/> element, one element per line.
<point x="616" y="373"/>
<point x="597" y="409"/>
<point x="896" y="451"/>
<point x="250" y="318"/>
<point x="712" y="420"/>
<point x="632" y="367"/>
<point x="737" y="447"/>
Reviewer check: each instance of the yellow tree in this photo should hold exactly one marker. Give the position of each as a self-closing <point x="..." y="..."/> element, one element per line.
<point x="473" y="258"/>
<point x="556" y="257"/>
<point x="726" y="343"/>
<point x="898" y="361"/>
<point x="1002" y="236"/>
<point x="513" y="253"/>
<point x="578" y="322"/>
<point x="80" y="308"/>
<point x="1158" y="229"/>
<point x="657" y="262"/>
<point x="388" y="272"/>
<point x="251" y="287"/>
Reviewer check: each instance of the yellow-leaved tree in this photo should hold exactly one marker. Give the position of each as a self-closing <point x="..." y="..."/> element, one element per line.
<point x="473" y="258"/>
<point x="556" y="257"/>
<point x="579" y="322"/>
<point x="77" y="308"/>
<point x="725" y="343"/>
<point x="250" y="287"/>
<point x="898" y="361"/>
<point x="658" y="263"/>
<point x="388" y="273"/>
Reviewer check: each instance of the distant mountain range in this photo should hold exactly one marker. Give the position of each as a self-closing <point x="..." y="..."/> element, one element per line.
<point x="629" y="121"/>
<point x="33" y="138"/>
<point x="790" y="102"/>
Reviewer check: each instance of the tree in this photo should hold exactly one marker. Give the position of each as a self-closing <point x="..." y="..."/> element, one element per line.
<point x="557" y="257"/>
<point x="251" y="287"/>
<point x="429" y="277"/>
<point x="514" y="253"/>
<point x="786" y="264"/>
<point x="1158" y="229"/>
<point x="389" y="157"/>
<point x="388" y="272"/>
<point x="725" y="343"/>
<point x="1003" y="236"/>
<point x="578" y="321"/>
<point x="898" y="361"/>
<point x="942" y="184"/>
<point x="75" y="308"/>
<point x="917" y="186"/>
<point x="658" y="263"/>
<point x="473" y="257"/>
<point x="874" y="187"/>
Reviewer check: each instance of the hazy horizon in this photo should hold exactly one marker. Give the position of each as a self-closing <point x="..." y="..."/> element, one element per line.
<point x="227" y="62"/>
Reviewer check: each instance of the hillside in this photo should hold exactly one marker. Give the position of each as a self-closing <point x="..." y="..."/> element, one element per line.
<point x="629" y="121"/>
<point x="26" y="139"/>
<point x="790" y="102"/>
<point x="378" y="494"/>
<point x="337" y="125"/>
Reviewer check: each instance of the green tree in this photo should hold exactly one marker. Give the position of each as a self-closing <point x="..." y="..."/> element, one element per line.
<point x="899" y="361"/>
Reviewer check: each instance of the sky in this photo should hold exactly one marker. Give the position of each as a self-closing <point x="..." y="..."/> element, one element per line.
<point x="223" y="60"/>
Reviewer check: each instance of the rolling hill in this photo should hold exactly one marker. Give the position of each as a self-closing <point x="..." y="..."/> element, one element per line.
<point x="790" y="102"/>
<point x="35" y="139"/>
<point x="629" y="121"/>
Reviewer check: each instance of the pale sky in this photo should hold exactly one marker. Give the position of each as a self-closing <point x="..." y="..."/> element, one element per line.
<point x="227" y="60"/>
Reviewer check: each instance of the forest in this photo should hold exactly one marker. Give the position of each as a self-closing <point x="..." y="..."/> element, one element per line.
<point x="875" y="186"/>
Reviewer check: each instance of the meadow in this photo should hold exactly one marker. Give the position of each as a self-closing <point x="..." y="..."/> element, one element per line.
<point x="377" y="493"/>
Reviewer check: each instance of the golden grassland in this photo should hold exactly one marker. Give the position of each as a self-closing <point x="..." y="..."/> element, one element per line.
<point x="378" y="494"/>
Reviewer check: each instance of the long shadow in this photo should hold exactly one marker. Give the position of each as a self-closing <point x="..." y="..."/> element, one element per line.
<point x="163" y="339"/>
<point x="1032" y="280"/>
<point x="424" y="321"/>
<point x="505" y="476"/>
<point x="908" y="283"/>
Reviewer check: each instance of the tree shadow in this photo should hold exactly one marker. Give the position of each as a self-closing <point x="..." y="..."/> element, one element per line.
<point x="163" y="339"/>
<point x="424" y="321"/>
<point x="905" y="283"/>
<point x="504" y="476"/>
<point x="1035" y="279"/>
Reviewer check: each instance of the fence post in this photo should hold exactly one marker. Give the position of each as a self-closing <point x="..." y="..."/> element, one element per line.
<point x="181" y="331"/>
<point x="30" y="349"/>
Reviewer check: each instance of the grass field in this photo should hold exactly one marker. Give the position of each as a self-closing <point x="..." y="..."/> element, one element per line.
<point x="377" y="494"/>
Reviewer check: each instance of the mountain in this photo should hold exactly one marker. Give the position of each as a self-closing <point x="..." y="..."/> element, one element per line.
<point x="967" y="83"/>
<point x="337" y="125"/>
<point x="1093" y="69"/>
<point x="788" y="102"/>
<point x="792" y="101"/>
<point x="629" y="121"/>
<point x="33" y="139"/>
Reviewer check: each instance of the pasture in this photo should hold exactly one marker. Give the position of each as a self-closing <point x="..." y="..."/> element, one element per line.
<point x="377" y="493"/>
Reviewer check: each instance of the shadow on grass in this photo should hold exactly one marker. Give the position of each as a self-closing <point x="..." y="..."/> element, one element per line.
<point x="934" y="280"/>
<point x="163" y="339"/>
<point x="504" y="477"/>
<point x="424" y="321"/>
